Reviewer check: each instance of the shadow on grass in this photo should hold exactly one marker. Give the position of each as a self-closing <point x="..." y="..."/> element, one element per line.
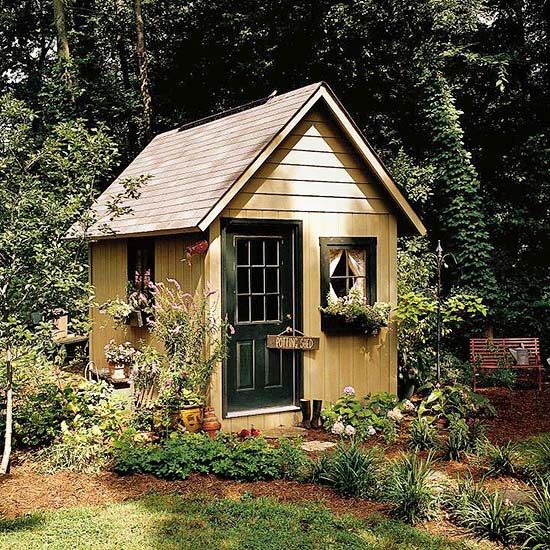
<point x="23" y="523"/>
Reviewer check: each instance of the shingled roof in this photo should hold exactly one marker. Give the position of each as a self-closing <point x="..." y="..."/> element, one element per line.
<point x="194" y="169"/>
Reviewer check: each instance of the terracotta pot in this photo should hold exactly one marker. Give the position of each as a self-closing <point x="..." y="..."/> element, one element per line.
<point x="211" y="425"/>
<point x="191" y="418"/>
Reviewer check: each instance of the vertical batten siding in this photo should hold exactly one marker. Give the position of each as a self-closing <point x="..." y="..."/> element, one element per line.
<point x="109" y="274"/>
<point x="315" y="176"/>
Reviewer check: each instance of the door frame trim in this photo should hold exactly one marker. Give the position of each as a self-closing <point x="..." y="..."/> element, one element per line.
<point x="297" y="228"/>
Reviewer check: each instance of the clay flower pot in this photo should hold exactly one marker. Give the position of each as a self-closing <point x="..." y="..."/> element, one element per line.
<point x="191" y="418"/>
<point x="211" y="425"/>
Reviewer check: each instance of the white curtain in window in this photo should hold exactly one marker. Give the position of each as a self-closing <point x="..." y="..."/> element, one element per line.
<point x="356" y="261"/>
<point x="334" y="257"/>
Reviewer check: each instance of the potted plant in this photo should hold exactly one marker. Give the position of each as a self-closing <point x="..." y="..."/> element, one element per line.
<point x="119" y="357"/>
<point x="352" y="314"/>
<point x="137" y="311"/>
<point x="195" y="340"/>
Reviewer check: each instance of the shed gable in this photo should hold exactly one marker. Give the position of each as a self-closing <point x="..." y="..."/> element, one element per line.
<point x="314" y="169"/>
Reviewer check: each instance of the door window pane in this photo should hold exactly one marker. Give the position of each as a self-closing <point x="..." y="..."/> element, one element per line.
<point x="271" y="279"/>
<point x="257" y="308"/>
<point x="272" y="252"/>
<point x="243" y="309"/>
<point x="257" y="252"/>
<point x="242" y="252"/>
<point x="257" y="279"/>
<point x="243" y="286"/>
<point x="272" y="307"/>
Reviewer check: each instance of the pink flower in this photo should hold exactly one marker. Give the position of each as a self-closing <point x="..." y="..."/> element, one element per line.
<point x="371" y="431"/>
<point x="168" y="382"/>
<point x="231" y="330"/>
<point x="350" y="430"/>
<point x="349" y="390"/>
<point x="174" y="282"/>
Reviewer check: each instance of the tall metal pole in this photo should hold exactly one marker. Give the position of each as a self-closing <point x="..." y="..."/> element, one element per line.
<point x="439" y="252"/>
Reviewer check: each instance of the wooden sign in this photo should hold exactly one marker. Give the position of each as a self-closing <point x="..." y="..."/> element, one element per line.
<point x="284" y="341"/>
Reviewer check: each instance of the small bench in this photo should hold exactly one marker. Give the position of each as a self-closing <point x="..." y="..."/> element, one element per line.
<point x="494" y="353"/>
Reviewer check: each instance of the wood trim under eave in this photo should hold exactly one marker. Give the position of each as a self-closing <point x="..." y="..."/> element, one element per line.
<point x="370" y="157"/>
<point x="258" y="161"/>
<point x="161" y="233"/>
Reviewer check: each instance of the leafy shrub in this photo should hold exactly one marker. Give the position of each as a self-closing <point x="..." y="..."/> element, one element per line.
<point x="503" y="377"/>
<point x="412" y="488"/>
<point x="501" y="460"/>
<point x="422" y="435"/>
<point x="492" y="517"/>
<point x="85" y="442"/>
<point x="37" y="416"/>
<point x="354" y="471"/>
<point x="454" y="401"/>
<point x="363" y="415"/>
<point x="536" y="527"/>
<point x="294" y="462"/>
<point x="175" y="458"/>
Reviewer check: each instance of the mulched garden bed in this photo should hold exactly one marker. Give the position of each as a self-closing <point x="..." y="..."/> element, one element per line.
<point x="521" y="414"/>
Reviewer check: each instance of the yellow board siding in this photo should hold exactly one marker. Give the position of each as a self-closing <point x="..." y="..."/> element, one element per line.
<point x="314" y="176"/>
<point x="109" y="274"/>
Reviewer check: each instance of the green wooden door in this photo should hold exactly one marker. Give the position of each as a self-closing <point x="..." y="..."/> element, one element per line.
<point x="260" y="291"/>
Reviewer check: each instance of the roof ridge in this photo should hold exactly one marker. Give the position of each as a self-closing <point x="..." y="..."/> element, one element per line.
<point x="239" y="108"/>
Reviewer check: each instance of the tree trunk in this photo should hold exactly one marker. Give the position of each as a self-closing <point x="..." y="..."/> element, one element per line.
<point x="143" y="71"/>
<point x="62" y="39"/>
<point x="5" y="464"/>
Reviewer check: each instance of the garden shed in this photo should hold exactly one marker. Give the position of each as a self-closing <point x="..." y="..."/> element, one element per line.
<point x="278" y="204"/>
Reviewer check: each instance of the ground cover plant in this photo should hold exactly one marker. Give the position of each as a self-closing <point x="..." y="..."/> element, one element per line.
<point x="252" y="458"/>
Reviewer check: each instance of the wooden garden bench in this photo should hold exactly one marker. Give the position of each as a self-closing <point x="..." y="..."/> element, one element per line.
<point x="494" y="353"/>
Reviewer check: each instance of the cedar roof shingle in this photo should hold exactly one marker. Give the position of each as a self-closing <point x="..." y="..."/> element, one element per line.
<point x="191" y="169"/>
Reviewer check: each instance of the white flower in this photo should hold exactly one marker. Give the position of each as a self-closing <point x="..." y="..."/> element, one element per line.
<point x="350" y="430"/>
<point x="395" y="414"/>
<point x="338" y="428"/>
<point x="408" y="406"/>
<point x="371" y="430"/>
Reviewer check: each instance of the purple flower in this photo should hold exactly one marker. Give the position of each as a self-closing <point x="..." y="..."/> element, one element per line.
<point x="168" y="382"/>
<point x="349" y="390"/>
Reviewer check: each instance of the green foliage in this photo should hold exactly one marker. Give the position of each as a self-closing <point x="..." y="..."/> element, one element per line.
<point x="536" y="525"/>
<point x="458" y="441"/>
<point x="94" y="418"/>
<point x="501" y="460"/>
<point x="461" y="220"/>
<point x="423" y="435"/>
<point x="454" y="401"/>
<point x="354" y="471"/>
<point x="195" y="341"/>
<point x="366" y="416"/>
<point x="492" y="517"/>
<point x="412" y="488"/>
<point x="535" y="455"/>
<point x="175" y="458"/>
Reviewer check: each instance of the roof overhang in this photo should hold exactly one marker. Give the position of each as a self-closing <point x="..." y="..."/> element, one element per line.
<point x="356" y="137"/>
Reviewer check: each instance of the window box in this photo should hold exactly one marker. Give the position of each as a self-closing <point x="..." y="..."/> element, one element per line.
<point x="337" y="324"/>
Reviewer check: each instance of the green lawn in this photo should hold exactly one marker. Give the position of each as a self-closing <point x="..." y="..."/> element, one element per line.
<point x="163" y="522"/>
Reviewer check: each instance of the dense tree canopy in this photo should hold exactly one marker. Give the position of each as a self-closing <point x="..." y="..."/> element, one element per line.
<point x="454" y="94"/>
